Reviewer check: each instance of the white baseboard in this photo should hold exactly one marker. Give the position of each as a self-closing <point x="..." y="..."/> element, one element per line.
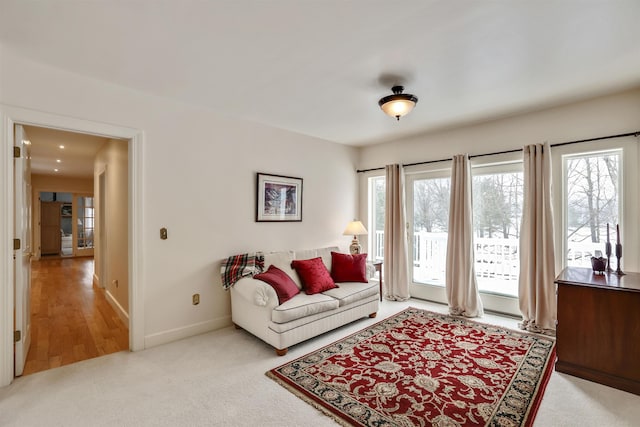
<point x="96" y="281"/>
<point x="185" y="331"/>
<point x="124" y="316"/>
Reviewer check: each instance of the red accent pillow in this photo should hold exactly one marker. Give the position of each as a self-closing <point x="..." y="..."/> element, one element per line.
<point x="284" y="286"/>
<point x="314" y="275"/>
<point x="349" y="268"/>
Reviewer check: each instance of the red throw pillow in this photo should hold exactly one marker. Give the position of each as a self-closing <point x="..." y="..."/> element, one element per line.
<point x="349" y="268"/>
<point x="314" y="275"/>
<point x="284" y="286"/>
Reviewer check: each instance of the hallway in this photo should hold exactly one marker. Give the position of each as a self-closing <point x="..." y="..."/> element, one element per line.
<point x="71" y="319"/>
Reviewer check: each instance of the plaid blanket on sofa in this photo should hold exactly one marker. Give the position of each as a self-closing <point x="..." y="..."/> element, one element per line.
<point x="238" y="266"/>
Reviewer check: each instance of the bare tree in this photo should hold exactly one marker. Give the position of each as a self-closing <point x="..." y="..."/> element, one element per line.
<point x="592" y="190"/>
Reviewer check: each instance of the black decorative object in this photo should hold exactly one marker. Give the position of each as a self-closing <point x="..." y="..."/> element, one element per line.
<point x="619" y="252"/>
<point x="607" y="250"/>
<point x="599" y="265"/>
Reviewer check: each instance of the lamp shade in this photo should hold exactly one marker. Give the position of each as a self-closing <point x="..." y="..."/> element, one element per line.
<point x="354" y="228"/>
<point x="399" y="104"/>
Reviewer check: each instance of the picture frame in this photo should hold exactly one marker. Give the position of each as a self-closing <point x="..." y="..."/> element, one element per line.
<point x="278" y="198"/>
<point x="66" y="210"/>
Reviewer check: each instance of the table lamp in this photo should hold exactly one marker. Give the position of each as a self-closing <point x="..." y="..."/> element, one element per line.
<point x="355" y="229"/>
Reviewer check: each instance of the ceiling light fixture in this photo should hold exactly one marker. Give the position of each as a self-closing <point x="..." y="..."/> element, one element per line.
<point x="62" y="147"/>
<point x="58" y="161"/>
<point x="399" y="104"/>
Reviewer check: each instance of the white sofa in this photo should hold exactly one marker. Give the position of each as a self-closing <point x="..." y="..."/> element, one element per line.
<point x="256" y="309"/>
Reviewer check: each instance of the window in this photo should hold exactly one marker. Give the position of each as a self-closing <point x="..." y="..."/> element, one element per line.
<point x="497" y="212"/>
<point x="377" y="192"/>
<point x="430" y="229"/>
<point x="592" y="196"/>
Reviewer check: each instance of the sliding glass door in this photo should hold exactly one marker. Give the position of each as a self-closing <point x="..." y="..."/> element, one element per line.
<point x="497" y="207"/>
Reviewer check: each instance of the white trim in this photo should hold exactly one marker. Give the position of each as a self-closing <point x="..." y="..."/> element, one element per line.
<point x="96" y="281"/>
<point x="171" y="335"/>
<point x="136" y="279"/>
<point x="122" y="314"/>
<point x="9" y="115"/>
<point x="6" y="250"/>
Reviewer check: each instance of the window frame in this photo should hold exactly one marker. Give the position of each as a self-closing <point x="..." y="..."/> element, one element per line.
<point x="495" y="168"/>
<point x="371" y="216"/>
<point x="629" y="196"/>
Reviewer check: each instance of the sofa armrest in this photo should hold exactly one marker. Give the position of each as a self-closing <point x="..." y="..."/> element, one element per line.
<point x="256" y="291"/>
<point x="371" y="271"/>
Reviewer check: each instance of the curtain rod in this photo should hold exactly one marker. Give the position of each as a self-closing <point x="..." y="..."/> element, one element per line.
<point x="620" y="135"/>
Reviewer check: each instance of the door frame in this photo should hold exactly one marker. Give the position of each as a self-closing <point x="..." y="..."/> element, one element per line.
<point x="9" y="116"/>
<point x="101" y="214"/>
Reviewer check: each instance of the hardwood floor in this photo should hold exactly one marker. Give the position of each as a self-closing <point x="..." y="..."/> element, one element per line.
<point x="71" y="320"/>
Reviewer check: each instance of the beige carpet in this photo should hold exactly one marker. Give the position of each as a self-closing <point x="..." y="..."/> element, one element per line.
<point x="217" y="379"/>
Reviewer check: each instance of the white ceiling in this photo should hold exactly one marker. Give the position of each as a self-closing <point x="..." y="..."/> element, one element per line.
<point x="75" y="160"/>
<point x="319" y="67"/>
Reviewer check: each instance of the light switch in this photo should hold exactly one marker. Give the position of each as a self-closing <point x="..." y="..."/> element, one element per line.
<point x="163" y="233"/>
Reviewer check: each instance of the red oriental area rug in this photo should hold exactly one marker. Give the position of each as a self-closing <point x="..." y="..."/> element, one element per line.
<point x="419" y="368"/>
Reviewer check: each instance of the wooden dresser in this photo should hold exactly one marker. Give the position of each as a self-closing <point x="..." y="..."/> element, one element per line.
<point x="598" y="332"/>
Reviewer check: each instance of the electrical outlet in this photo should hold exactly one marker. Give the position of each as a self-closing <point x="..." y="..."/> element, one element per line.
<point x="196" y="299"/>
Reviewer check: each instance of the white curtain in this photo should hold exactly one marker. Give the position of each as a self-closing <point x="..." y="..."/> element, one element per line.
<point x="396" y="260"/>
<point x="537" y="291"/>
<point x="462" y="289"/>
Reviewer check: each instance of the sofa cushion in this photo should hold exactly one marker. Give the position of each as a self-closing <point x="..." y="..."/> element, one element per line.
<point x="285" y="287"/>
<point x="314" y="275"/>
<point x="282" y="260"/>
<point x="325" y="254"/>
<point x="305" y="254"/>
<point x="303" y="305"/>
<point x="352" y="291"/>
<point x="348" y="268"/>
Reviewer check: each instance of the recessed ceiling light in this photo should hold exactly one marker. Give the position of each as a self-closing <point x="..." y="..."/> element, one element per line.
<point x="62" y="147"/>
<point x="58" y="161"/>
<point x="56" y="170"/>
<point x="26" y="141"/>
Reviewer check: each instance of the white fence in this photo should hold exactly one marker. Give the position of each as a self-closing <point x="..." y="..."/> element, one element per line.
<point x="497" y="261"/>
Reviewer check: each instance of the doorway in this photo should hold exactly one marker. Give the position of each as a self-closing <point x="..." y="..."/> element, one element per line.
<point x="10" y="116"/>
<point x="73" y="316"/>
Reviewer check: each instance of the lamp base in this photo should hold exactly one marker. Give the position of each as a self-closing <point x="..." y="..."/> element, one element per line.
<point x="355" y="247"/>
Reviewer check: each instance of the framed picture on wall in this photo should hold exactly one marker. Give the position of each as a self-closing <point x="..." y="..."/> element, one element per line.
<point x="279" y="198"/>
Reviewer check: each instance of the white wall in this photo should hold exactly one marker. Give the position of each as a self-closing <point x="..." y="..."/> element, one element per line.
<point x="199" y="182"/>
<point x="112" y="160"/>
<point x="606" y="115"/>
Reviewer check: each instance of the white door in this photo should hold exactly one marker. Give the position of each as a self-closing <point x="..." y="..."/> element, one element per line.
<point x="22" y="256"/>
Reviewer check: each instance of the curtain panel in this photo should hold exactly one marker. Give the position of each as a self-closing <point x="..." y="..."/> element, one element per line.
<point x="537" y="290"/>
<point x="396" y="260"/>
<point x="461" y="286"/>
